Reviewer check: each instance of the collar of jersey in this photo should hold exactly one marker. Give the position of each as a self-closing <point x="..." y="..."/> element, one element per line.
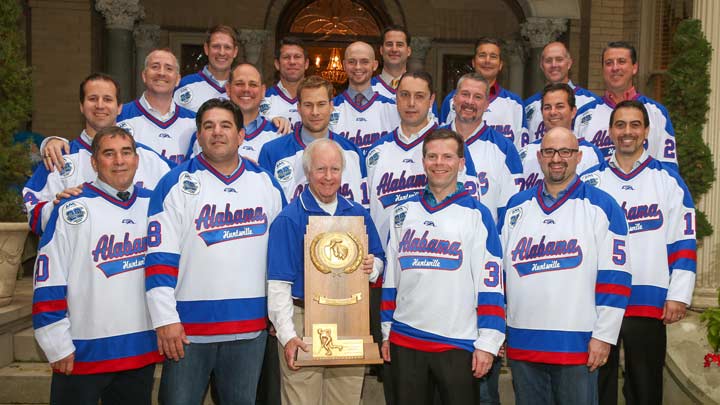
<point x="384" y="84"/>
<point x="494" y="91"/>
<point x="112" y="199"/>
<point x="298" y="137"/>
<point x="281" y="93"/>
<point x="83" y="144"/>
<point x="633" y="172"/>
<point x="214" y="84"/>
<point x="558" y="203"/>
<point x="310" y="204"/>
<point x="444" y="203"/>
<point x="477" y="135"/>
<point x="257" y="130"/>
<point x="408" y="146"/>
<point x="161" y="124"/>
<point x="225" y="179"/>
<point x="358" y="107"/>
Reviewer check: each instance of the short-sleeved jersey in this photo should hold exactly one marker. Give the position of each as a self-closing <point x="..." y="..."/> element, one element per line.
<point x="195" y="89"/>
<point x="567" y="276"/>
<point x="661" y="223"/>
<point x="593" y="120"/>
<point x="208" y="268"/>
<point x="88" y="294"/>
<point x="533" y="109"/>
<point x="532" y="175"/>
<point x="41" y="188"/>
<point x="283" y="158"/>
<point x="498" y="167"/>
<point x="442" y="285"/>
<point x="287" y="235"/>
<point x="395" y="174"/>
<point x="278" y="103"/>
<point x="363" y="125"/>
<point x="253" y="142"/>
<point x="170" y="138"/>
<point x="504" y="114"/>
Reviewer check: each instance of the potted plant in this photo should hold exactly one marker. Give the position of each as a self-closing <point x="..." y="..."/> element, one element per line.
<point x="15" y="93"/>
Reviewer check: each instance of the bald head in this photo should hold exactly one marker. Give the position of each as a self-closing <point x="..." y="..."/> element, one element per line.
<point x="359" y="65"/>
<point x="560" y="136"/>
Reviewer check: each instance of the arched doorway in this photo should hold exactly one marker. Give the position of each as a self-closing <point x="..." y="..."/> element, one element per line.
<point x="328" y="26"/>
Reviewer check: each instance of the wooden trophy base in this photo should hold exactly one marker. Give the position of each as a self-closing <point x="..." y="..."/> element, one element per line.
<point x="371" y="354"/>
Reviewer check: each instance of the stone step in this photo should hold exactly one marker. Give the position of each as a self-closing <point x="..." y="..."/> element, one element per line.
<point x="25" y="347"/>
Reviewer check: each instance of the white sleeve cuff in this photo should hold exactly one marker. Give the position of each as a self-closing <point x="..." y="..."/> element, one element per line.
<point x="280" y="310"/>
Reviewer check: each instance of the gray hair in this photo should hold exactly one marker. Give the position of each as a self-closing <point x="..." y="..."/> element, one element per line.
<point x="310" y="149"/>
<point x="474" y="76"/>
<point x="168" y="50"/>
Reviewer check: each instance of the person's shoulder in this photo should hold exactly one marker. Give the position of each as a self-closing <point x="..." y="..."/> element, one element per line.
<point x="505" y="93"/>
<point x="189" y="79"/>
<point x="534" y="98"/>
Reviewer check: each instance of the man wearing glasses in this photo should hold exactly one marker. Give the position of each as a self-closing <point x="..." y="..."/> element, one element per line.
<point x="567" y="279"/>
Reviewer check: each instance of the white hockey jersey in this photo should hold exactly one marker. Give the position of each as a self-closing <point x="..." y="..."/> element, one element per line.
<point x="170" y="138"/>
<point x="208" y="267"/>
<point x="533" y="109"/>
<point x="661" y="222"/>
<point x="41" y="188"/>
<point x="88" y="294"/>
<point x="532" y="175"/>
<point x="197" y="88"/>
<point x="283" y="158"/>
<point x="504" y="114"/>
<point x="363" y="125"/>
<point x="278" y="103"/>
<point x="498" y="167"/>
<point x="381" y="87"/>
<point x="593" y="120"/>
<point x="567" y="276"/>
<point x="443" y="279"/>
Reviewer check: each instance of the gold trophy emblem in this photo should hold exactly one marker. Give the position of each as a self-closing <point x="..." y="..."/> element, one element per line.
<point x="336" y="252"/>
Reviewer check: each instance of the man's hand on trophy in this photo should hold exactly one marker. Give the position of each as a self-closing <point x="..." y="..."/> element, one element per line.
<point x="291" y="350"/>
<point x="367" y="264"/>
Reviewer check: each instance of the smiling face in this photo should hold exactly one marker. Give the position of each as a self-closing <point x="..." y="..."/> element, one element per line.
<point x="555" y="63"/>
<point x="395" y="50"/>
<point x="221" y="51"/>
<point x="292" y="63"/>
<point x="558" y="170"/>
<point x="116" y="161"/>
<point x="487" y="61"/>
<point x="246" y="89"/>
<point x="442" y="164"/>
<point x="325" y="172"/>
<point x="100" y="106"/>
<point x="161" y="74"/>
<point x="628" y="132"/>
<point x="556" y="110"/>
<point x="219" y="136"/>
<point x="470" y="101"/>
<point x="359" y="64"/>
<point x="618" y="69"/>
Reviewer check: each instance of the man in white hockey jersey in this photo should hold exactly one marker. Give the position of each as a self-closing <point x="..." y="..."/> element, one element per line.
<point x="89" y="311"/>
<point x="395" y="51"/>
<point x="620" y="65"/>
<point x="154" y="119"/>
<point x="205" y="277"/>
<point x="661" y="222"/>
<point x="496" y="160"/>
<point x="567" y="279"/>
<point x="283" y="156"/>
<point x="443" y="316"/>
<point x="221" y="48"/>
<point x="558" y="110"/>
<point x="555" y="63"/>
<point x="505" y="112"/>
<point x="323" y="162"/>
<point x="291" y="62"/>
<point x="361" y="114"/>
<point x="100" y="107"/>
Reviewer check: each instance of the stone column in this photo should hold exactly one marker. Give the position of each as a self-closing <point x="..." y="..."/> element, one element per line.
<point x="514" y="56"/>
<point x="538" y="32"/>
<point x="420" y="47"/>
<point x="253" y="41"/>
<point x="146" y="38"/>
<point x="708" y="263"/>
<point x="120" y="17"/>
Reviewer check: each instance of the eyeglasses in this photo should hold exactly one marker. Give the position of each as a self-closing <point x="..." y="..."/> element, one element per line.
<point x="563" y="152"/>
